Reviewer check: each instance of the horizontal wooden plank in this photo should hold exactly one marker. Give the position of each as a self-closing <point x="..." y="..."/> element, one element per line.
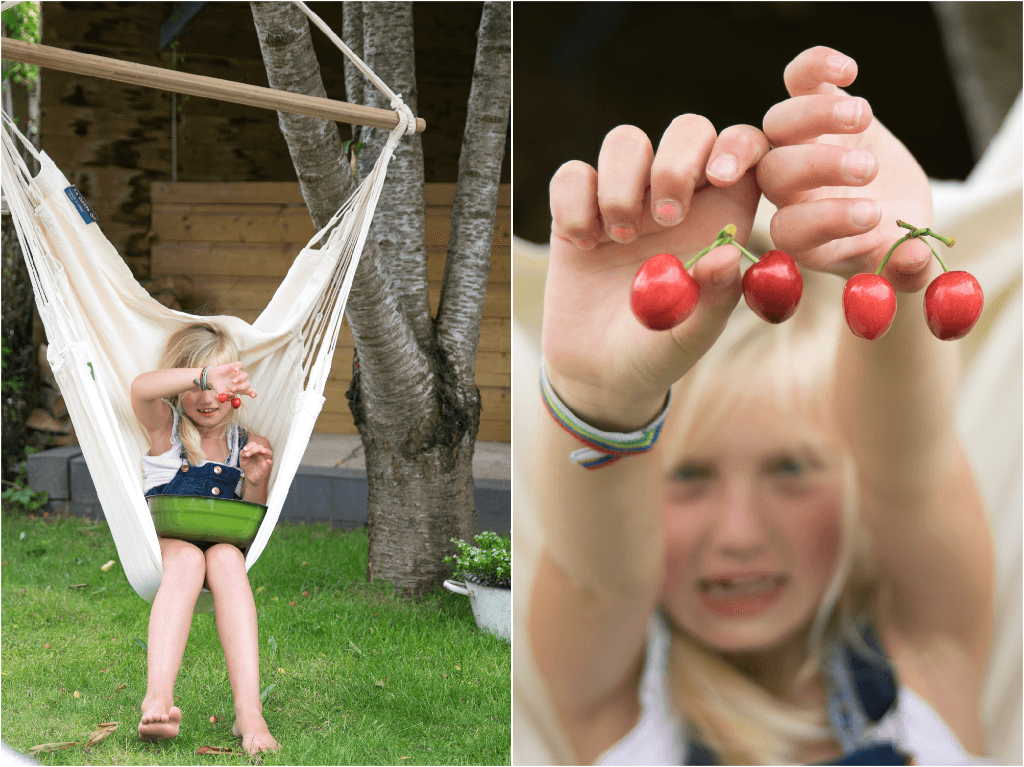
<point x="279" y="223"/>
<point x="495" y="332"/>
<point x="437" y="194"/>
<point x="197" y="259"/>
<point x="492" y="368"/>
<point x="232" y="294"/>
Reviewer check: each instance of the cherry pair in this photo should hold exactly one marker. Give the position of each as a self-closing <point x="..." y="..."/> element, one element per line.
<point x="664" y="294"/>
<point x="235" y="403"/>
<point x="952" y="302"/>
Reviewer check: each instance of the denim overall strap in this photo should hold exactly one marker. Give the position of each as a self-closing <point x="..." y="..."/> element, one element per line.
<point x="861" y="690"/>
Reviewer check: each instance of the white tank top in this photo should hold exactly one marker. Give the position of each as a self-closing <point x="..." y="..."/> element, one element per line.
<point x="659" y="737"/>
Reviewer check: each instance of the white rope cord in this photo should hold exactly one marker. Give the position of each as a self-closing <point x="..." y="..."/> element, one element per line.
<point x="396" y="98"/>
<point x="10" y="4"/>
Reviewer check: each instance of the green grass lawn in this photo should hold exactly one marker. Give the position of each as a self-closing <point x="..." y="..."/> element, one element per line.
<point x="357" y="675"/>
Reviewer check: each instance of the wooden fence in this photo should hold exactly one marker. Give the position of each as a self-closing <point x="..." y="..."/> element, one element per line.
<point x="235" y="241"/>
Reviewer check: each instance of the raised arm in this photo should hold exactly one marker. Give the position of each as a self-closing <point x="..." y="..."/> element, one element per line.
<point x="600" y="575"/>
<point x="841" y="184"/>
<point x="149" y="390"/>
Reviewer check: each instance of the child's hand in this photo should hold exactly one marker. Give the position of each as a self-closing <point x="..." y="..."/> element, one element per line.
<point x="840" y="179"/>
<point x="231" y="379"/>
<point x="606" y="223"/>
<point x="255" y="460"/>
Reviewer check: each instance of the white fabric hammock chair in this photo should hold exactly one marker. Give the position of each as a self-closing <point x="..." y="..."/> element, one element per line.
<point x="104" y="329"/>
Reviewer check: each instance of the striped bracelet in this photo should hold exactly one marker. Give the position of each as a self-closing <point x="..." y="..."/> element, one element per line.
<point x="201" y="381"/>
<point x="603" y="448"/>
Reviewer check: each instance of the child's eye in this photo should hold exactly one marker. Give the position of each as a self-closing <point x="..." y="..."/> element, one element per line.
<point x="786" y="466"/>
<point x="692" y="472"/>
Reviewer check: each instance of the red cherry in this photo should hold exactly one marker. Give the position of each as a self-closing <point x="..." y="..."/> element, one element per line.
<point x="870" y="305"/>
<point x="223" y="396"/>
<point x="664" y="294"/>
<point x="772" y="287"/>
<point x="952" y="304"/>
<point x="236" y="403"/>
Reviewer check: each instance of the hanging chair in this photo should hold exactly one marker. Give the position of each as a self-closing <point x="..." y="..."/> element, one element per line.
<point x="104" y="329"/>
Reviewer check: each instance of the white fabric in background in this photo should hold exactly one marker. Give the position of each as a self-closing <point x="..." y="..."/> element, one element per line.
<point x="984" y="213"/>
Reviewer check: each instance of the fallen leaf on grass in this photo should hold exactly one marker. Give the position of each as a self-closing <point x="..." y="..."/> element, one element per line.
<point x="260" y="589"/>
<point x="213" y="719"/>
<point x="379" y="682"/>
<point x="123" y="685"/>
<point x="305" y="593"/>
<point x="45" y="747"/>
<point x="215" y="750"/>
<point x="142" y="645"/>
<point x="78" y="586"/>
<point x="266" y="692"/>
<point x="107" y="566"/>
<point x="46" y="646"/>
<point x="101" y="732"/>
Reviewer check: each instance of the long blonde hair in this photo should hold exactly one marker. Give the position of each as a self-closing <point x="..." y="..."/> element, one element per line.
<point x="795" y="363"/>
<point x="195" y="346"/>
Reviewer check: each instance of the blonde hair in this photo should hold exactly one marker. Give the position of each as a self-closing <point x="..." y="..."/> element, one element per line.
<point x="196" y="346"/>
<point x="794" y="364"/>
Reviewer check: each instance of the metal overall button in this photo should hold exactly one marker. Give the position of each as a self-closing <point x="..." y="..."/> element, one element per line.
<point x="217" y="470"/>
<point x="215" y="491"/>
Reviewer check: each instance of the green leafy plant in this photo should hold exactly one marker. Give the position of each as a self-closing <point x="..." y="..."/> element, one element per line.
<point x="25" y="497"/>
<point x="488" y="563"/>
<point x="22" y="23"/>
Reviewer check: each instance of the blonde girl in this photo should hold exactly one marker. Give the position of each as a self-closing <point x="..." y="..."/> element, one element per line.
<point x="197" y="447"/>
<point x="801" y="569"/>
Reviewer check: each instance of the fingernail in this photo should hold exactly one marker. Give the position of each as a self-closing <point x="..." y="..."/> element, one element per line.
<point x="668" y="211"/>
<point x="865" y="213"/>
<point x="912" y="267"/>
<point x="857" y="165"/>
<point x="622" y="232"/>
<point x="848" y="112"/>
<point x="586" y="244"/>
<point x="838" y="64"/>
<point x="724" y="167"/>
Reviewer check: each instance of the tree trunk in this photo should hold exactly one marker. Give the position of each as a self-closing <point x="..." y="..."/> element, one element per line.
<point x="412" y="396"/>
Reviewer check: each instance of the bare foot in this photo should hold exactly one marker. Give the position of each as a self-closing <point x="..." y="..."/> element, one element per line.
<point x="158" y="722"/>
<point x="252" y="729"/>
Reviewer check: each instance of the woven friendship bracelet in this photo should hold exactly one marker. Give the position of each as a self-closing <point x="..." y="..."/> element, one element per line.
<point x="201" y="381"/>
<point x="603" y="448"/>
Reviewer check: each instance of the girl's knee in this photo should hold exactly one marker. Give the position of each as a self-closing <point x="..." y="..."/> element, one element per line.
<point x="182" y="559"/>
<point x="224" y="555"/>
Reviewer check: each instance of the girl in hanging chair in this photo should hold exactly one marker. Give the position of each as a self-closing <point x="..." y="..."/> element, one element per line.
<point x="198" y="447"/>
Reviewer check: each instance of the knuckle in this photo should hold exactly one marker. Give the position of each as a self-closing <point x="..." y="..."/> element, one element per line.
<point x="674" y="176"/>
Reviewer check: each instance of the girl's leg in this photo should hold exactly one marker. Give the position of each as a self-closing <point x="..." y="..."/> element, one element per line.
<point x="235" y="611"/>
<point x="169" y="622"/>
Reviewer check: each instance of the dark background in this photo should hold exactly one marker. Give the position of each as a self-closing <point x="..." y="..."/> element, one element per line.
<point x="580" y="69"/>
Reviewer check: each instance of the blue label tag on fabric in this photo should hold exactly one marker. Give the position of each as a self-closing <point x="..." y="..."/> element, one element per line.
<point x="88" y="216"/>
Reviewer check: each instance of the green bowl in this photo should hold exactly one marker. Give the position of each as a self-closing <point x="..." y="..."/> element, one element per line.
<point x="201" y="518"/>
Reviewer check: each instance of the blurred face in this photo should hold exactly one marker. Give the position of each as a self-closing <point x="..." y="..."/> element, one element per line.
<point x="753" y="525"/>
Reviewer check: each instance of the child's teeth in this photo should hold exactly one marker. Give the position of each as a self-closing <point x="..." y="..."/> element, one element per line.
<point x="741" y="587"/>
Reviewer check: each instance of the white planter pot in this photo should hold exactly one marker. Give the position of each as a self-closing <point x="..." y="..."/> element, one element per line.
<point x="492" y="607"/>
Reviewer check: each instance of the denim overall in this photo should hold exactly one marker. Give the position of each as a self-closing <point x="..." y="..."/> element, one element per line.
<point x="860" y="692"/>
<point x="214" y="480"/>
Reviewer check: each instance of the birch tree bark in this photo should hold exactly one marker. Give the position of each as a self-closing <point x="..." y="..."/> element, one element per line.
<point x="413" y="395"/>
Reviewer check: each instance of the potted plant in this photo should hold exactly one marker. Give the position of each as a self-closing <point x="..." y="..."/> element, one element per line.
<point x="483" y="572"/>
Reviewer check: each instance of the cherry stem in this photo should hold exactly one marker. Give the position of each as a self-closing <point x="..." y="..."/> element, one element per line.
<point x="949" y="242"/>
<point x="725" y="236"/>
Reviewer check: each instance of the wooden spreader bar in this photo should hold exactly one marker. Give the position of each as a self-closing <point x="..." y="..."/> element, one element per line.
<point x="197" y="85"/>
